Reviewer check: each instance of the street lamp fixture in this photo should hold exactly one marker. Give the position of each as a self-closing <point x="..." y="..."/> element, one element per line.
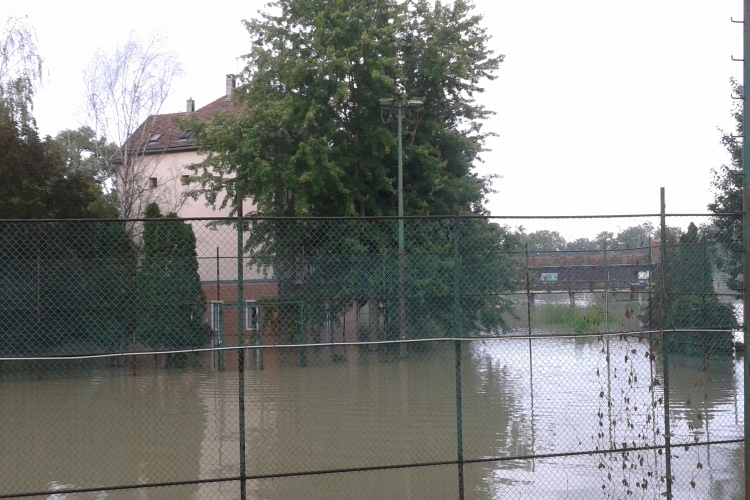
<point x="412" y="105"/>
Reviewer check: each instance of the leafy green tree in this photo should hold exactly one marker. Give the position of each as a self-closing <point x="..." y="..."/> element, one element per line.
<point x="582" y="244"/>
<point x="35" y="183"/>
<point x="605" y="238"/>
<point x="64" y="287"/>
<point x="633" y="237"/>
<point x="27" y="165"/>
<point x="37" y="180"/>
<point x="62" y="281"/>
<point x="727" y="231"/>
<point x="309" y="138"/>
<point x="83" y="152"/>
<point x="330" y="265"/>
<point x="171" y="300"/>
<point x="545" y="241"/>
<point x="687" y="299"/>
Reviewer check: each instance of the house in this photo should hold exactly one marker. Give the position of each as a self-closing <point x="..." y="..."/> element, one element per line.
<point x="153" y="166"/>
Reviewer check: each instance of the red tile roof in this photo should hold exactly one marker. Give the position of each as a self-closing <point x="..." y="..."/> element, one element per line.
<point x="166" y="132"/>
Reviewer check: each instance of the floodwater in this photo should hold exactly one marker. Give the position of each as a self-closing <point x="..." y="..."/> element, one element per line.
<point x="92" y="426"/>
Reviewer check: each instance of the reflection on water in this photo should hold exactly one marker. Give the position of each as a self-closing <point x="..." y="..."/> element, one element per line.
<point x="358" y="407"/>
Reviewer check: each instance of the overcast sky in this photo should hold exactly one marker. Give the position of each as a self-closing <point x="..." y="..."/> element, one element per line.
<point x="599" y="102"/>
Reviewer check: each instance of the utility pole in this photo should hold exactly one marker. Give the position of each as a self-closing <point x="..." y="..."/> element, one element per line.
<point x="401" y="256"/>
<point x="400" y="112"/>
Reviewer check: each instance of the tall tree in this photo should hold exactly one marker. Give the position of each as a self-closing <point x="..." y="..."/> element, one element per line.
<point x="583" y="245"/>
<point x="83" y="152"/>
<point x="35" y="183"/>
<point x="62" y="281"/>
<point x="311" y="139"/>
<point x="64" y="287"/>
<point x="727" y="185"/>
<point x="123" y="89"/>
<point x="171" y="300"/>
<point x="20" y="71"/>
<point x="633" y="237"/>
<point x="686" y="298"/>
<point x="544" y="241"/>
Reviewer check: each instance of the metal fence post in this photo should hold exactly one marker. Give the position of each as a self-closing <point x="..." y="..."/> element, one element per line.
<point x="456" y="268"/>
<point x="459" y="421"/>
<point x="38" y="315"/>
<point x="302" y="339"/>
<point x="606" y="330"/>
<point x="241" y="342"/>
<point x="133" y="304"/>
<point x="528" y="296"/>
<point x="665" y="347"/>
<point x="261" y="332"/>
<point x="746" y="237"/>
<point x="302" y="336"/>
<point x="220" y="364"/>
<point x="458" y="334"/>
<point x="650" y="284"/>
<point x="531" y="359"/>
<point x="606" y="288"/>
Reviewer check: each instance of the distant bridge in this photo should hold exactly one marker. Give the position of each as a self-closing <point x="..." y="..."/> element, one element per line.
<point x="588" y="278"/>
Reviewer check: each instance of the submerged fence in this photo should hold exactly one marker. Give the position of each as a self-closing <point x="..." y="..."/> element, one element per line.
<point x="476" y="361"/>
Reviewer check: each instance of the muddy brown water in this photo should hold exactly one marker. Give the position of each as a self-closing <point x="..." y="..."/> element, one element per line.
<point x="93" y="426"/>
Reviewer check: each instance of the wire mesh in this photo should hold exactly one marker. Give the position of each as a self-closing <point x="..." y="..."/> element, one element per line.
<point x="478" y="361"/>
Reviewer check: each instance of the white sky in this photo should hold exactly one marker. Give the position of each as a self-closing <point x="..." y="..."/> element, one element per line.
<point x="599" y="102"/>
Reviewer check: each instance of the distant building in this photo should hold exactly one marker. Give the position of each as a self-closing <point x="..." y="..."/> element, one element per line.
<point x="153" y="166"/>
<point x="153" y="163"/>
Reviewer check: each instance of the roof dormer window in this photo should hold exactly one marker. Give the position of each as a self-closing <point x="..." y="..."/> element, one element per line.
<point x="155" y="137"/>
<point x="186" y="134"/>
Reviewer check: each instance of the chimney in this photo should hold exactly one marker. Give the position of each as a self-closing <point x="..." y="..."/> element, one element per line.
<point x="190" y="105"/>
<point x="231" y="84"/>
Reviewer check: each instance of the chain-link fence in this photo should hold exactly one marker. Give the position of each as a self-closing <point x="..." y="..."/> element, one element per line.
<point x="475" y="360"/>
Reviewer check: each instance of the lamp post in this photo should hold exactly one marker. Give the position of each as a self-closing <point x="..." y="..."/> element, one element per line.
<point x="400" y="112"/>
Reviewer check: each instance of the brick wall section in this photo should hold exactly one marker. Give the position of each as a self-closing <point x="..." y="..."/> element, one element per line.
<point x="227" y="293"/>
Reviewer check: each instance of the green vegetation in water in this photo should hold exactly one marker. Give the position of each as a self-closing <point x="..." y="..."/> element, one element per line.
<point x="686" y="299"/>
<point x="338" y="358"/>
<point x="576" y="319"/>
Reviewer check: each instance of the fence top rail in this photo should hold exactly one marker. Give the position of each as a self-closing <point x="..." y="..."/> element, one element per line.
<point x="74" y="357"/>
<point x="383" y="217"/>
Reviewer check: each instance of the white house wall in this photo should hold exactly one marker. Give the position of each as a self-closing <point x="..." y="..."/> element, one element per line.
<point x="168" y="170"/>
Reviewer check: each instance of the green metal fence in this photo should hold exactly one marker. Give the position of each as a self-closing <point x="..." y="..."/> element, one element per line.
<point x="154" y="358"/>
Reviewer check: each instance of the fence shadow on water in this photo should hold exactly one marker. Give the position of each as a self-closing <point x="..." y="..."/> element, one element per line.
<point x="472" y="363"/>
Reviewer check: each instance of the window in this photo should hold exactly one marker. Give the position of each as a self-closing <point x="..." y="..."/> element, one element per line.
<point x="186" y="134"/>
<point x="185" y="180"/>
<point x="215" y="315"/>
<point x="152" y="182"/>
<point x="155" y="137"/>
<point x="252" y="315"/>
